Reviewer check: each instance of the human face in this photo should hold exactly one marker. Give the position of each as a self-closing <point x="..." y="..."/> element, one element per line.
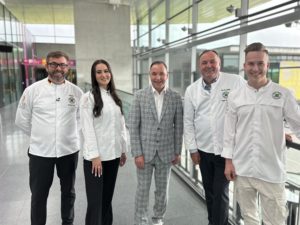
<point x="256" y="66"/>
<point x="103" y="76"/>
<point x="57" y="69"/>
<point x="209" y="66"/>
<point x="158" y="76"/>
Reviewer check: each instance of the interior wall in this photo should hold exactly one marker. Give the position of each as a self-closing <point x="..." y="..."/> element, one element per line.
<point x="102" y="31"/>
<point x="42" y="49"/>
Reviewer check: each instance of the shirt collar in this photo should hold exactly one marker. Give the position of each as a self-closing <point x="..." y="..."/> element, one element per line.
<point x="155" y="91"/>
<point x="50" y="82"/>
<point x="103" y="90"/>
<point x="261" y="88"/>
<point x="206" y="86"/>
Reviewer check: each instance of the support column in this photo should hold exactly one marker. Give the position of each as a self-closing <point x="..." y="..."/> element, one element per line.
<point x="243" y="37"/>
<point x="102" y="31"/>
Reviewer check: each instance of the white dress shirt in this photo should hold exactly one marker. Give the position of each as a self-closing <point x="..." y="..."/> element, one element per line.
<point x="254" y="135"/>
<point x="104" y="136"/>
<point x="159" y="99"/>
<point x="204" y="113"/>
<point x="49" y="114"/>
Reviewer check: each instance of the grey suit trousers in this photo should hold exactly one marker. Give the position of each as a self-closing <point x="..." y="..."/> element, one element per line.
<point x="161" y="177"/>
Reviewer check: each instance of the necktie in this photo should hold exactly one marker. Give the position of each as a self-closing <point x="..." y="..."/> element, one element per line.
<point x="207" y="87"/>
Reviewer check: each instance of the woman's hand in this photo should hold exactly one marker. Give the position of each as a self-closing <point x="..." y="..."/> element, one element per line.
<point x="123" y="159"/>
<point x="97" y="167"/>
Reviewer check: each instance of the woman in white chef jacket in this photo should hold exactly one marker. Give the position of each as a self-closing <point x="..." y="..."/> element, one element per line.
<point x="104" y="144"/>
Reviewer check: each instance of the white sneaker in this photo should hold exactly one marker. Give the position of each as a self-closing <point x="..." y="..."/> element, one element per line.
<point x="159" y="222"/>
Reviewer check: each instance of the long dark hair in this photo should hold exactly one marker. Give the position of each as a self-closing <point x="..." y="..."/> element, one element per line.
<point x="96" y="89"/>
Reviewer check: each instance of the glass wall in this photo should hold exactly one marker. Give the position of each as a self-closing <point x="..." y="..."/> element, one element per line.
<point x="180" y="69"/>
<point x="12" y="79"/>
<point x="189" y="27"/>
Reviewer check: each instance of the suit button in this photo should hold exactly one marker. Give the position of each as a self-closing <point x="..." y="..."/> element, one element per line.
<point x="158" y="128"/>
<point x="157" y="141"/>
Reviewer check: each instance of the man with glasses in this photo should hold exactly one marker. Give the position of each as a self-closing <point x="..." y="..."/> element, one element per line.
<point x="48" y="112"/>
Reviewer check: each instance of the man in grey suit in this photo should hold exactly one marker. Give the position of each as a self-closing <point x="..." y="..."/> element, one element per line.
<point x="156" y="128"/>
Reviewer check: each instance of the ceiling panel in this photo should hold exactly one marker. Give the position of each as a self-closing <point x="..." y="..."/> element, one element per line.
<point x="61" y="11"/>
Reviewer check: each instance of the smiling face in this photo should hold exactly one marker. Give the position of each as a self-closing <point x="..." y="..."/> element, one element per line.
<point x="256" y="66"/>
<point x="103" y="75"/>
<point x="57" y="69"/>
<point x="209" y="66"/>
<point x="158" y="76"/>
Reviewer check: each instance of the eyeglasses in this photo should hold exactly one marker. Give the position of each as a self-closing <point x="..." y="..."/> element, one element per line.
<point x="54" y="65"/>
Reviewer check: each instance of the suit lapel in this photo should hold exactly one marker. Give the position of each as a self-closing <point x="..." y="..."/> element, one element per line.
<point x="166" y="101"/>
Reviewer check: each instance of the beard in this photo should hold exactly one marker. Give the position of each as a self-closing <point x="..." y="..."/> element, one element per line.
<point x="56" y="76"/>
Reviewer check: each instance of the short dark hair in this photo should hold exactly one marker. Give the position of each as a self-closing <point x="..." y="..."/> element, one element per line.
<point x="256" y="47"/>
<point x="208" y="50"/>
<point x="56" y="54"/>
<point x="159" y="62"/>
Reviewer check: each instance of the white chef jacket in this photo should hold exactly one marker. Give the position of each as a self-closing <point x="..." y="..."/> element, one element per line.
<point x="104" y="136"/>
<point x="204" y="113"/>
<point x="254" y="131"/>
<point x="49" y="114"/>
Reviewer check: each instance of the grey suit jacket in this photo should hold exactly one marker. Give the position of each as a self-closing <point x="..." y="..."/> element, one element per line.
<point x="148" y="134"/>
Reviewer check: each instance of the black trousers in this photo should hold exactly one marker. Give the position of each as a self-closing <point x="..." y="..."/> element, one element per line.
<point x="216" y="187"/>
<point x="41" y="170"/>
<point x="99" y="192"/>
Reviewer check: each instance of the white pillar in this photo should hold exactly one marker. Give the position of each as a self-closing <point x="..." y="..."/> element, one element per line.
<point x="102" y="31"/>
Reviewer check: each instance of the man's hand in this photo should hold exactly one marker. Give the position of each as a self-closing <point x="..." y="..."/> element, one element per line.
<point x="139" y="162"/>
<point x="97" y="167"/>
<point x="195" y="157"/>
<point x="176" y="160"/>
<point x="123" y="159"/>
<point x="288" y="137"/>
<point x="229" y="170"/>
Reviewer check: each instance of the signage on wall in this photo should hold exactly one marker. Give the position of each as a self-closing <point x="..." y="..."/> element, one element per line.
<point x="36" y="62"/>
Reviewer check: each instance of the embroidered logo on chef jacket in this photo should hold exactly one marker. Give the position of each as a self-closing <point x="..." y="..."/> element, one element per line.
<point x="225" y="93"/>
<point x="276" y="95"/>
<point x="71" y="100"/>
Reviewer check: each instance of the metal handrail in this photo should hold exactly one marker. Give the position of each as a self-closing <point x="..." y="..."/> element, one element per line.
<point x="293" y="206"/>
<point x="291" y="144"/>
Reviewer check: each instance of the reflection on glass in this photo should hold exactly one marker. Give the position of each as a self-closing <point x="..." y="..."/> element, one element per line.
<point x="158" y="15"/>
<point x="180" y="70"/>
<point x="180" y="25"/>
<point x="158" y="36"/>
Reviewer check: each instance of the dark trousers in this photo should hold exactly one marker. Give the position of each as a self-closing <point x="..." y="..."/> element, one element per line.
<point x="41" y="171"/>
<point x="99" y="192"/>
<point x="216" y="187"/>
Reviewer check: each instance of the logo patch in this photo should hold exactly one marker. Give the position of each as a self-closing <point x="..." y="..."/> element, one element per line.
<point x="225" y="93"/>
<point x="276" y="95"/>
<point x="71" y="100"/>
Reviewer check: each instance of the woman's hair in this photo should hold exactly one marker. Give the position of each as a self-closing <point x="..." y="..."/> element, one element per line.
<point x="96" y="89"/>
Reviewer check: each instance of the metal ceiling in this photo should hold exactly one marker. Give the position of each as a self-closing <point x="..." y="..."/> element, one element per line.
<point x="61" y="12"/>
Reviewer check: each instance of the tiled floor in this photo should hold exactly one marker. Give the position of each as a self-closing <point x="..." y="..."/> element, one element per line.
<point x="185" y="208"/>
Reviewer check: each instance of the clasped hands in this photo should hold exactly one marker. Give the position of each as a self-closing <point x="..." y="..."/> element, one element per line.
<point x="140" y="161"/>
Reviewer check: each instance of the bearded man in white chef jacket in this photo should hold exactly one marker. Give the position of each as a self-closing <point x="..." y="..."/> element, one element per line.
<point x="48" y="112"/>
